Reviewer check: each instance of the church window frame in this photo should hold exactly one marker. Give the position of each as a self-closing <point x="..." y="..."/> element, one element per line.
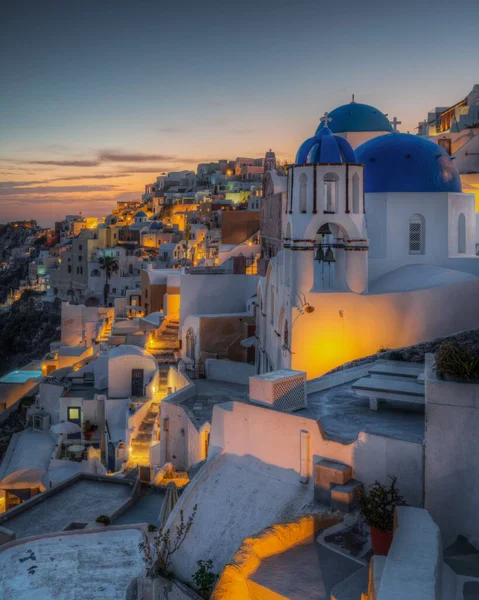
<point x="417" y="235"/>
<point x="356" y="194"/>
<point x="303" y="193"/>
<point x="331" y="192"/>
<point x="461" y="234"/>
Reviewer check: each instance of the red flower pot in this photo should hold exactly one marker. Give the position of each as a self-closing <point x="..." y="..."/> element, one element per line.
<point x="380" y="541"/>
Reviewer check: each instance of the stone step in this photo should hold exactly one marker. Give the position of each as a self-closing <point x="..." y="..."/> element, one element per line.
<point x="352" y="587"/>
<point x="345" y="497"/>
<point x="142" y="437"/>
<point x="326" y="474"/>
<point x="464" y="565"/>
<point x="387" y="389"/>
<point x="407" y="371"/>
<point x="140" y="443"/>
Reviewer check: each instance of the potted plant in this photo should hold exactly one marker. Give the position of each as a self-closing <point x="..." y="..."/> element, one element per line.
<point x="132" y="407"/>
<point x="377" y="506"/>
<point x="88" y="429"/>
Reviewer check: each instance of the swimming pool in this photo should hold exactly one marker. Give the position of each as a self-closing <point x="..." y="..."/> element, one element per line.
<point x="20" y="376"/>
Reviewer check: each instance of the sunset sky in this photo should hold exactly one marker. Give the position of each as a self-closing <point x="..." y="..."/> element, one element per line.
<point x="99" y="97"/>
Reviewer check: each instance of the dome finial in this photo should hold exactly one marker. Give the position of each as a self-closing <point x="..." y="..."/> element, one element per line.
<point x="353" y="101"/>
<point x="326" y="119"/>
<point x="395" y="124"/>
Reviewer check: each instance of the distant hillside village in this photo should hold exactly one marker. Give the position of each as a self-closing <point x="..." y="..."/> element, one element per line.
<point x="234" y="374"/>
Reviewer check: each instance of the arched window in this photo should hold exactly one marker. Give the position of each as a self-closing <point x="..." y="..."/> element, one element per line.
<point x="417" y="234"/>
<point x="330" y="191"/>
<point x="356" y="194"/>
<point x="303" y="188"/>
<point x="286" y="335"/>
<point x="461" y="234"/>
<point x="190" y="344"/>
<point x="95" y="273"/>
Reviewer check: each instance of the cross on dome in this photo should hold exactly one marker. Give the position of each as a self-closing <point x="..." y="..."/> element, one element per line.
<point x="353" y="101"/>
<point x="326" y="119"/>
<point x="395" y="123"/>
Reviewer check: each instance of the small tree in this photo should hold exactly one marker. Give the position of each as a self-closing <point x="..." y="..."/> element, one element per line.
<point x="110" y="266"/>
<point x="379" y="503"/>
<point x="204" y="578"/>
<point x="158" y="554"/>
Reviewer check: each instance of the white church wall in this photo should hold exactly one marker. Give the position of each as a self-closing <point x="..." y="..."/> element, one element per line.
<point x="461" y="204"/>
<point x="344" y="327"/>
<point x="376" y="215"/>
<point x="389" y="233"/>
<point x="356" y="138"/>
<point x="274" y="438"/>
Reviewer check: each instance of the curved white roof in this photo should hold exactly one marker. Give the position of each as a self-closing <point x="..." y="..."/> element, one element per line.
<point x="129" y="350"/>
<point x="418" y="277"/>
<point x="31" y="450"/>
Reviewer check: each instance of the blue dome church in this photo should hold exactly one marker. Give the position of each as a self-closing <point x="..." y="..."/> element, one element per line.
<point x="357" y="123"/>
<point x="377" y="247"/>
<point x="401" y="162"/>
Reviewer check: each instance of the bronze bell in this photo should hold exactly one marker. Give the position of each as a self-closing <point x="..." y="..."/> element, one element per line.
<point x="319" y="254"/>
<point x="329" y="258"/>
<point x="324" y="229"/>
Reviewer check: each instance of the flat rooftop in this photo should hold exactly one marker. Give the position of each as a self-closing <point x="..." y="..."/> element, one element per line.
<point x="344" y="414"/>
<point x="81" y="502"/>
<point x="97" y="566"/>
<point x="210" y="392"/>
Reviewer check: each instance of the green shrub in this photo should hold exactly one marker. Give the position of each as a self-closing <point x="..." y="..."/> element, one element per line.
<point x="105" y="519"/>
<point x="152" y="527"/>
<point x="382" y="349"/>
<point x="204" y="578"/>
<point x="460" y="364"/>
<point x="378" y="504"/>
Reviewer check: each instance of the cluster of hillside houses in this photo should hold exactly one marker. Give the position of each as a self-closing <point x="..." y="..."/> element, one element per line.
<point x="202" y="330"/>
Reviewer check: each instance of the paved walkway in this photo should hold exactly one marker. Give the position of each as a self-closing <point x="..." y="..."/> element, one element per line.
<point x="146" y="509"/>
<point x="306" y="572"/>
<point x="80" y="502"/>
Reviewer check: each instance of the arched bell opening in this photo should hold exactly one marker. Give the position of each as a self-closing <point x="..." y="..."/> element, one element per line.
<point x="329" y="259"/>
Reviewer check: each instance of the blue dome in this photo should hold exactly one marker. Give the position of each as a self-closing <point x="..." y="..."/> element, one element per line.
<point x="325" y="147"/>
<point x="356" y="117"/>
<point x="140" y="213"/>
<point x="155" y="225"/>
<point x="402" y="162"/>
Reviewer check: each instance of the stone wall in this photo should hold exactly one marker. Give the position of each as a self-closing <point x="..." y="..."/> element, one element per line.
<point x="452" y="466"/>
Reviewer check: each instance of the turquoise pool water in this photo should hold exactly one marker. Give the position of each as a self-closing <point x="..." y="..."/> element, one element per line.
<point x="20" y="376"/>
